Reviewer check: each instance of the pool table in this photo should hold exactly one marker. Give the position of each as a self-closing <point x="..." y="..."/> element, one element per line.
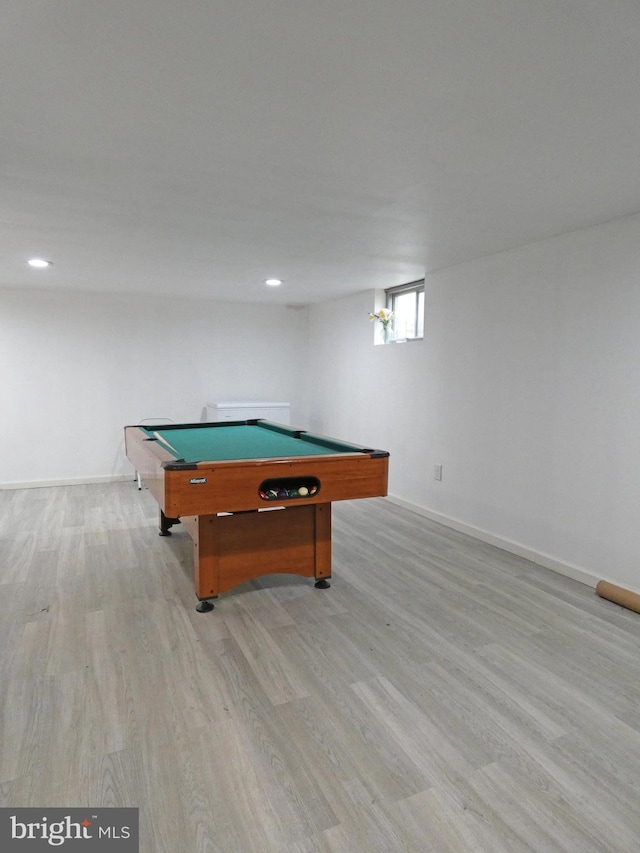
<point x="255" y="496"/>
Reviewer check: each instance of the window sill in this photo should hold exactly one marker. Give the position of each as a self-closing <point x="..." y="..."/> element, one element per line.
<point x="398" y="341"/>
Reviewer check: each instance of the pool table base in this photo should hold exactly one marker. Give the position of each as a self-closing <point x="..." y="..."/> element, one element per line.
<point x="231" y="548"/>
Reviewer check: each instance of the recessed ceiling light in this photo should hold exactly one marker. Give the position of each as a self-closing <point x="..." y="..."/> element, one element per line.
<point x="273" y="282"/>
<point x="38" y="263"/>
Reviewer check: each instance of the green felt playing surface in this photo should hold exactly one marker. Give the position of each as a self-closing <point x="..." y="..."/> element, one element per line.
<point x="243" y="441"/>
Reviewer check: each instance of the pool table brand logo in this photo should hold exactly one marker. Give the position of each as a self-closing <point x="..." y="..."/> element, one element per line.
<point x="197" y="481"/>
<point x="33" y="829"/>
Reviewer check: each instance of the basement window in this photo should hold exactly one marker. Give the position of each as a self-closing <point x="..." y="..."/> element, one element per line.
<point x="407" y="303"/>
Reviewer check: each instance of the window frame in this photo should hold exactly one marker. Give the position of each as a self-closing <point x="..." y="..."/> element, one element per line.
<point x="391" y="293"/>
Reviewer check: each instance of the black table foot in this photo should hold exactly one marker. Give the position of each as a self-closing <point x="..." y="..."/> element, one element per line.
<point x="204" y="606"/>
<point x="322" y="584"/>
<point x="166" y="523"/>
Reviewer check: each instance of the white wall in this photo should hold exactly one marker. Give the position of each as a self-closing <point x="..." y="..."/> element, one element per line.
<point x="74" y="369"/>
<point x="525" y="389"/>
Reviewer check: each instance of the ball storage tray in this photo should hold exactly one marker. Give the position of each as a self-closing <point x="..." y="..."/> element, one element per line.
<point x="289" y="488"/>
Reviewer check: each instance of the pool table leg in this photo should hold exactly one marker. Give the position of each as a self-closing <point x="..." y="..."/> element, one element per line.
<point x="231" y="549"/>
<point x="166" y="523"/>
<point x="322" y="561"/>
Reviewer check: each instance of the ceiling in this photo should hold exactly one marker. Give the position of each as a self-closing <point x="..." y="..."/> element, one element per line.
<point x="199" y="147"/>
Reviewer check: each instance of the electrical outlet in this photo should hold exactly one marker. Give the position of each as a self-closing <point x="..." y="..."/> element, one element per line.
<point x="437" y="472"/>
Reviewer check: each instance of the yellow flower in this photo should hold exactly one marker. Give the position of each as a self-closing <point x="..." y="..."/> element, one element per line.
<point x="384" y="316"/>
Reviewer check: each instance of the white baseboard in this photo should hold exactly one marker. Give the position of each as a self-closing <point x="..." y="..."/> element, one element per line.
<point x="79" y="481"/>
<point x="567" y="569"/>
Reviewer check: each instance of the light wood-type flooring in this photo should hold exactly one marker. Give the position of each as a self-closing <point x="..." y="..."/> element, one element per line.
<point x="442" y="696"/>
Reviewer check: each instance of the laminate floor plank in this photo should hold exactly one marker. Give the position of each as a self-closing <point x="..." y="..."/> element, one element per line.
<point x="443" y="696"/>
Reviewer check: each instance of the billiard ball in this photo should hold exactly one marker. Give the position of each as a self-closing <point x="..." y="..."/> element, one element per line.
<point x="303" y="491"/>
